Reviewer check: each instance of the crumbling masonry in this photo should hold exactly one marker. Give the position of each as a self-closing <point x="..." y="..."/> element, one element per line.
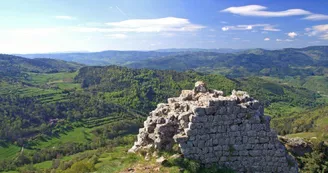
<point x="229" y="131"/>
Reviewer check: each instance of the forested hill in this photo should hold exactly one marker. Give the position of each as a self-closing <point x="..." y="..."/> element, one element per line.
<point x="279" y="63"/>
<point x="143" y="89"/>
<point x="103" y="58"/>
<point x="52" y="114"/>
<point x="14" y="66"/>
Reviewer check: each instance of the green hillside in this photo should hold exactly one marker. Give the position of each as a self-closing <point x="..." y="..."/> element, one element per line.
<point x="260" y="62"/>
<point x="47" y="115"/>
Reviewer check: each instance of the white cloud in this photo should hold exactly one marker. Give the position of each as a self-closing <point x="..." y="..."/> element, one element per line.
<point x="267" y="39"/>
<point x="225" y="28"/>
<point x="316" y="17"/>
<point x="223" y="22"/>
<point x="292" y="34"/>
<point x="168" y="24"/>
<point x="65" y="17"/>
<point x="236" y="38"/>
<point x="117" y="36"/>
<point x="270" y="28"/>
<point x="261" y="11"/>
<point x="307" y="29"/>
<point x="286" y="40"/>
<point x="320" y="30"/>
<point x="258" y="10"/>
<point x="264" y="27"/>
<point x="325" y="36"/>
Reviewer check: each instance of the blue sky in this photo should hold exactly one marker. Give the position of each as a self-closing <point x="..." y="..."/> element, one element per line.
<point x="37" y="26"/>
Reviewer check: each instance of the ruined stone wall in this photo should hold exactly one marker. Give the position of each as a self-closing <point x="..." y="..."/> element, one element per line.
<point x="228" y="131"/>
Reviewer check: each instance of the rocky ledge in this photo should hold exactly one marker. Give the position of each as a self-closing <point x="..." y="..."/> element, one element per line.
<point x="228" y="131"/>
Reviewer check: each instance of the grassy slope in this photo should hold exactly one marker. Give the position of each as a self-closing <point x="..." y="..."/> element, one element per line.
<point x="317" y="84"/>
<point x="8" y="151"/>
<point x="117" y="160"/>
<point x="47" y="87"/>
<point x="63" y="81"/>
<point x="78" y="135"/>
<point x="310" y="123"/>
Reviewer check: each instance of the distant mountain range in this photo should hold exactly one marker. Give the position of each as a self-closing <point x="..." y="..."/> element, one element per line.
<point x="113" y="57"/>
<point x="235" y="63"/>
<point x="14" y="66"/>
<point x="222" y="50"/>
<point x="284" y="62"/>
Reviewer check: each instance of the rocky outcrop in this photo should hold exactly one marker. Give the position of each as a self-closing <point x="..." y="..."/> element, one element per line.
<point x="297" y="146"/>
<point x="229" y="131"/>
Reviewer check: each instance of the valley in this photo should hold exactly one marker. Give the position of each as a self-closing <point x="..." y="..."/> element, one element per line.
<point x="59" y="113"/>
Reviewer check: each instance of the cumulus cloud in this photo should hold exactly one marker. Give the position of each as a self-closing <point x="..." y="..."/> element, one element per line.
<point x="267" y="39"/>
<point x="320" y="30"/>
<point x="117" y="36"/>
<point x="168" y="24"/>
<point x="264" y="27"/>
<point x="260" y="11"/>
<point x="225" y="28"/>
<point x="292" y="34"/>
<point x="65" y="17"/>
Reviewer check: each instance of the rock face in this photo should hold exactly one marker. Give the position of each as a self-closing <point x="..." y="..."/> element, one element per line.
<point x="297" y="146"/>
<point x="229" y="131"/>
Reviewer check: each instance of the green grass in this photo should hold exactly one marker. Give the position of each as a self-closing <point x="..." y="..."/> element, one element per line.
<point x="78" y="135"/>
<point x="307" y="135"/>
<point x="282" y="109"/>
<point x="48" y="88"/>
<point x="48" y="164"/>
<point x="45" y="78"/>
<point x="61" y="81"/>
<point x="8" y="151"/>
<point x="318" y="84"/>
<point x="117" y="160"/>
<point x="43" y="165"/>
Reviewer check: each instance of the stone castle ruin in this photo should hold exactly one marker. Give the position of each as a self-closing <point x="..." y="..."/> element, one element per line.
<point x="229" y="131"/>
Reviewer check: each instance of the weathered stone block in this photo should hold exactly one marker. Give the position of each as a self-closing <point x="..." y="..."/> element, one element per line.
<point x="199" y="111"/>
<point x="210" y="110"/>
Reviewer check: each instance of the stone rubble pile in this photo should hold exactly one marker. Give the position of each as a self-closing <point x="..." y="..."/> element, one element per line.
<point x="229" y="131"/>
